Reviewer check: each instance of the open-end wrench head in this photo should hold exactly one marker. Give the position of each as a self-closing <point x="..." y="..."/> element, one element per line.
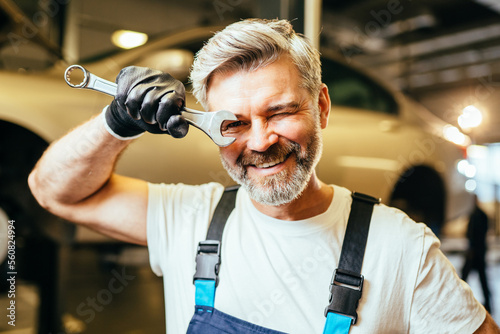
<point x="219" y="117"/>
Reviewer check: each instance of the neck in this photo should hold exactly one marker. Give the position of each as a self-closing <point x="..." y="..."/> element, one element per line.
<point x="314" y="200"/>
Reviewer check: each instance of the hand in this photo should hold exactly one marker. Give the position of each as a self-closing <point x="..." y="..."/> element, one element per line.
<point x="147" y="100"/>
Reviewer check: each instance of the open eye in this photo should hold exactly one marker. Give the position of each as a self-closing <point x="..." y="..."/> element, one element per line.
<point x="229" y="127"/>
<point x="233" y="124"/>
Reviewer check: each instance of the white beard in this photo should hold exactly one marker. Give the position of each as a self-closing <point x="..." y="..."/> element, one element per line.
<point x="285" y="186"/>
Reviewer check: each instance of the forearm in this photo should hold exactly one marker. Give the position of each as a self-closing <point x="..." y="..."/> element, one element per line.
<point x="488" y="327"/>
<point x="76" y="166"/>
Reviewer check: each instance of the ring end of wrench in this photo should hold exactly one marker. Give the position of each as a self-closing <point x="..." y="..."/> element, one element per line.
<point x="67" y="76"/>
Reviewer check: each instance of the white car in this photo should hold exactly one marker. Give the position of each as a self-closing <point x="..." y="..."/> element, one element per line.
<point x="378" y="141"/>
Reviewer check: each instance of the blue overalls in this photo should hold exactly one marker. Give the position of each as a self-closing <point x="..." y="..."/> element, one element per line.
<point x="345" y="288"/>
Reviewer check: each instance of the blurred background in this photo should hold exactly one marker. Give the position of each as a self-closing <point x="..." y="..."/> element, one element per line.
<point x="407" y="66"/>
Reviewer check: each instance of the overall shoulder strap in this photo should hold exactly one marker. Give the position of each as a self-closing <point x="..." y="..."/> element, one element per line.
<point x="206" y="277"/>
<point x="356" y="234"/>
<point x="222" y="212"/>
<point x="347" y="282"/>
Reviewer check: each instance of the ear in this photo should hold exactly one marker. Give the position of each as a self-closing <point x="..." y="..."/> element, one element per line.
<point x="324" y="105"/>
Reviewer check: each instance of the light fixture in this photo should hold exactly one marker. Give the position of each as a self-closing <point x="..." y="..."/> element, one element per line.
<point x="454" y="135"/>
<point x="471" y="117"/>
<point x="467" y="169"/>
<point x="470" y="185"/>
<point x="127" y="39"/>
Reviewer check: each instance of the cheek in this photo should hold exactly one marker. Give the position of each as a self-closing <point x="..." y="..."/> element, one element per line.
<point x="294" y="130"/>
<point x="231" y="152"/>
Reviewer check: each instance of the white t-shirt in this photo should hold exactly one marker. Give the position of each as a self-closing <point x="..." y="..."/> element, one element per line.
<point x="277" y="273"/>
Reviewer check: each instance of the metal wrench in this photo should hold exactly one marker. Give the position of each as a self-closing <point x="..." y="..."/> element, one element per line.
<point x="209" y="122"/>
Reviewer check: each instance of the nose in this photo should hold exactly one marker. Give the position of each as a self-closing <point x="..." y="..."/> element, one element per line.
<point x="261" y="136"/>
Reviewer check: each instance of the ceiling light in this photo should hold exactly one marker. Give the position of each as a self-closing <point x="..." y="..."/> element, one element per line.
<point x="470" y="185"/>
<point x="127" y="39"/>
<point x="471" y="117"/>
<point x="454" y="135"/>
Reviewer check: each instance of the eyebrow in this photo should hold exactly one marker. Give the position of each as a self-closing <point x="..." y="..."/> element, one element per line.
<point x="281" y="106"/>
<point x="289" y="105"/>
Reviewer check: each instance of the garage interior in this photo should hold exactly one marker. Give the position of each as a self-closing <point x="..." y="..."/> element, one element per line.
<point x="443" y="54"/>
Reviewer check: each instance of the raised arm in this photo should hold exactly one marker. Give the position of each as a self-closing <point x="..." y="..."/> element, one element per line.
<point x="74" y="179"/>
<point x="488" y="327"/>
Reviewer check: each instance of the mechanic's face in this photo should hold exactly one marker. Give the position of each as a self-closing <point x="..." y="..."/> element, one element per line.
<point x="278" y="141"/>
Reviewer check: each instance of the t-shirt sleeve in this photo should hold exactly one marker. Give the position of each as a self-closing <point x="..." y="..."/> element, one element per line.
<point x="177" y="216"/>
<point x="442" y="302"/>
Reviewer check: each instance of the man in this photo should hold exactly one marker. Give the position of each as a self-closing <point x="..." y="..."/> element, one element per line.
<point x="475" y="257"/>
<point x="283" y="239"/>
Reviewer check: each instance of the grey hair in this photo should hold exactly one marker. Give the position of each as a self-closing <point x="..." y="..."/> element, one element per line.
<point x="252" y="44"/>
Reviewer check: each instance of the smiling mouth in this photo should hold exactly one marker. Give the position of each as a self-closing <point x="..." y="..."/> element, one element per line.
<point x="272" y="163"/>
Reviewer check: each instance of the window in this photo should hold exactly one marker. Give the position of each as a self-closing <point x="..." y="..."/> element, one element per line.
<point x="352" y="89"/>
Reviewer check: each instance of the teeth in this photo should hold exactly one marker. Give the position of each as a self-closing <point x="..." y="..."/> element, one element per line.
<point x="270" y="164"/>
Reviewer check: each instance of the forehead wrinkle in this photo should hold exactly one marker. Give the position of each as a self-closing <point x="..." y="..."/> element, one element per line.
<point x="266" y="90"/>
<point x="255" y="101"/>
<point x="294" y="105"/>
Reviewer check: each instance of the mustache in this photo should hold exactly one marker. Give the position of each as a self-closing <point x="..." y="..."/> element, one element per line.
<point x="275" y="152"/>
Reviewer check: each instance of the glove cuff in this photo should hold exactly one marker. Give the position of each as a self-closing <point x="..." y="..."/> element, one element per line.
<point x="107" y="119"/>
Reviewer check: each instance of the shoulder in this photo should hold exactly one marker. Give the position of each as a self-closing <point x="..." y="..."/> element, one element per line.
<point x="387" y="223"/>
<point x="399" y="239"/>
<point x="394" y="223"/>
<point x="183" y="190"/>
<point x="183" y="194"/>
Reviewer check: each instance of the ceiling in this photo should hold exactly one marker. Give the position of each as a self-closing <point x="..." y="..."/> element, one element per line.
<point x="445" y="54"/>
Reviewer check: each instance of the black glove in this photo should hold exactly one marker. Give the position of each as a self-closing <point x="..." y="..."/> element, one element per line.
<point x="147" y="100"/>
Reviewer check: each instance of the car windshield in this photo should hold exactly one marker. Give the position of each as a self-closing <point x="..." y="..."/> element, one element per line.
<point x="349" y="88"/>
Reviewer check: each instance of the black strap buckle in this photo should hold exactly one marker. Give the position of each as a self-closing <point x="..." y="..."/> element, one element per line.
<point x="208" y="261"/>
<point x="345" y="291"/>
